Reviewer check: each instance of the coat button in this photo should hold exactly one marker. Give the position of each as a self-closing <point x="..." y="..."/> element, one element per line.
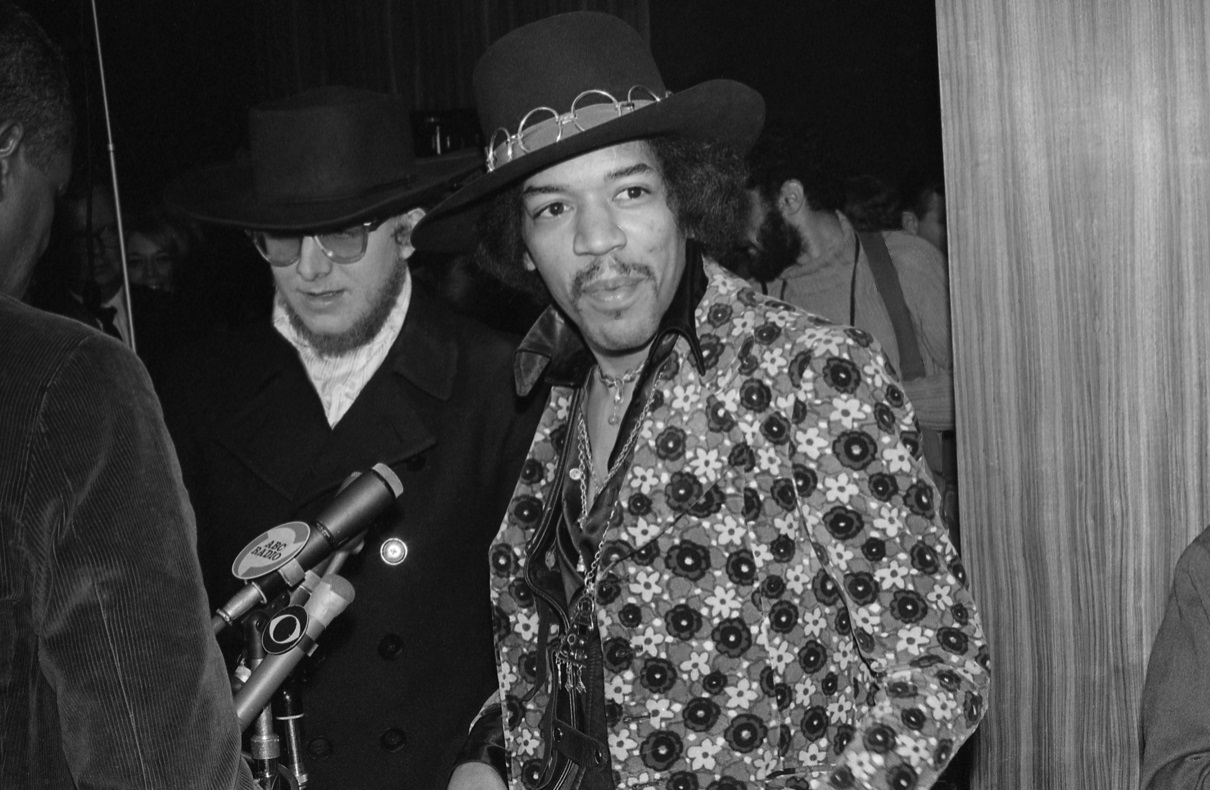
<point x="415" y="463"/>
<point x="393" y="739"/>
<point x="390" y="646"/>
<point x="319" y="748"/>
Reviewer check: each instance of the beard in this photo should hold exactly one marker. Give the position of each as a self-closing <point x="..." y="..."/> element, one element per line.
<point x="363" y="330"/>
<point x="780" y="246"/>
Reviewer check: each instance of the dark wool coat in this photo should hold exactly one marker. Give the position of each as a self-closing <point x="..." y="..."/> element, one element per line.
<point x="109" y="672"/>
<point x="400" y="674"/>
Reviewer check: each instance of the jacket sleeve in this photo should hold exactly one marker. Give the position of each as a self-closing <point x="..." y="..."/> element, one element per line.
<point x="485" y="740"/>
<point x="124" y="637"/>
<point x="922" y="275"/>
<point x="1176" y="718"/>
<point x="910" y="615"/>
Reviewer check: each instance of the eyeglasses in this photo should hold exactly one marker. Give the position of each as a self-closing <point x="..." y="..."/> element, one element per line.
<point x="342" y="246"/>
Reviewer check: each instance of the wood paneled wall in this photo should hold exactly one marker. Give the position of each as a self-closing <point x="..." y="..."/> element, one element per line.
<point x="1077" y="151"/>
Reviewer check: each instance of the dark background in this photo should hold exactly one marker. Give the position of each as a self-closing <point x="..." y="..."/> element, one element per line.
<point x="181" y="74"/>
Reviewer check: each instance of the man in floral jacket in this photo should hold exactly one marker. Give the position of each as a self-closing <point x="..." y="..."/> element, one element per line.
<point x="722" y="566"/>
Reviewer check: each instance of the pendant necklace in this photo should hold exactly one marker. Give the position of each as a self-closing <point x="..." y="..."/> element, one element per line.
<point x="572" y="655"/>
<point x="617" y="387"/>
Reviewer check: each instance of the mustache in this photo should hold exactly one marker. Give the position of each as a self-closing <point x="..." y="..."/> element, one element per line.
<point x="602" y="266"/>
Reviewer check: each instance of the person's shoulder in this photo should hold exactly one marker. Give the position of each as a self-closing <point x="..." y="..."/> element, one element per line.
<point x="770" y="320"/>
<point x="34" y="337"/>
<point x="1196" y="556"/>
<point x="911" y="251"/>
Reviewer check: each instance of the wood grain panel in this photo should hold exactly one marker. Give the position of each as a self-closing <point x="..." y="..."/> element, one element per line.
<point x="1077" y="136"/>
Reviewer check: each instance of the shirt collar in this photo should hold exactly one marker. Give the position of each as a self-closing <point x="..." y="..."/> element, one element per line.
<point x="553" y="348"/>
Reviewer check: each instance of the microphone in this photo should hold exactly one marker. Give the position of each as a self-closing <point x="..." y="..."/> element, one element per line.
<point x="331" y="596"/>
<point x="349" y="513"/>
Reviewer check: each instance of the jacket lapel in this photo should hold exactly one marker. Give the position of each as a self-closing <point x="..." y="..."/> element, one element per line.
<point x="386" y="423"/>
<point x="281" y="426"/>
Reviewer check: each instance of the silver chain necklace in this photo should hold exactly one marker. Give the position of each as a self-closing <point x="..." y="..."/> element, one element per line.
<point x="572" y="655"/>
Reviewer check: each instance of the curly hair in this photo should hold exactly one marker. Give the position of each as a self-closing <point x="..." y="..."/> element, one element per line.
<point x="706" y="194"/>
<point x="786" y="153"/>
<point x="34" y="90"/>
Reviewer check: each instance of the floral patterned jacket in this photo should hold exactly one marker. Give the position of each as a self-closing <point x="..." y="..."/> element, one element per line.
<point x="781" y="605"/>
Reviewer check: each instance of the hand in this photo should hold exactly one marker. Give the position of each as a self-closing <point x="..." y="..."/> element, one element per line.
<point x="475" y="776"/>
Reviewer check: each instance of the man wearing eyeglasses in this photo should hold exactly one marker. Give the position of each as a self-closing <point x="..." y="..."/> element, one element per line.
<point x="359" y="365"/>
<point x="81" y="275"/>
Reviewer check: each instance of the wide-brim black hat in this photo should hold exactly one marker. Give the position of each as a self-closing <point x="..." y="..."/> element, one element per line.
<point x="327" y="158"/>
<point x="573" y="83"/>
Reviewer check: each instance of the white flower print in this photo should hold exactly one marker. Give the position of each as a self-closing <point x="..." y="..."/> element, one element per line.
<point x="811" y="443"/>
<point x="915" y="750"/>
<point x="828" y="344"/>
<point x="649" y="641"/>
<point x="508" y="675"/>
<point x="742" y="693"/>
<point x="622" y="745"/>
<point x="749" y="427"/>
<point x="863" y="767"/>
<point x="659" y="710"/>
<point x="644" y="479"/>
<point x="939" y="596"/>
<point x="889" y="520"/>
<point x="839" y="554"/>
<point x="618" y="687"/>
<point x="816" y="753"/>
<point x="785" y="403"/>
<point x="844" y="653"/>
<point x="782" y="318"/>
<point x="525" y="625"/>
<point x="839" y="707"/>
<point x="644" y="530"/>
<point x="840" y="488"/>
<point x="774" y="362"/>
<point x="786" y="525"/>
<point x="684" y="396"/>
<point x="913" y="640"/>
<point x="647" y="585"/>
<point x="848" y="411"/>
<point x="705" y="463"/>
<point x="813" y="622"/>
<point x="697" y="665"/>
<point x="893" y="574"/>
<point x="897" y="459"/>
<point x="762" y="554"/>
<point x="769" y="459"/>
<point x="729" y="530"/>
<point x="729" y="399"/>
<point x="701" y="756"/>
<point x="796" y="579"/>
<point x="867" y="618"/>
<point x="781" y="654"/>
<point x="724" y="602"/>
<point x="529" y="741"/>
<point x="943" y="706"/>
<point x="743" y="323"/>
<point x="875" y="372"/>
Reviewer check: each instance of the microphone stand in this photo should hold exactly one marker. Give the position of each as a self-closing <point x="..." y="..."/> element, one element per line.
<point x="266" y="746"/>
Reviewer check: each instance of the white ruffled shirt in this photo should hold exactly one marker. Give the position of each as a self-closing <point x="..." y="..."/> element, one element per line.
<point x="339" y="380"/>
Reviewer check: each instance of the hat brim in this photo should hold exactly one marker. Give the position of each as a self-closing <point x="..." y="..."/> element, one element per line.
<point x="226" y="195"/>
<point x="721" y="110"/>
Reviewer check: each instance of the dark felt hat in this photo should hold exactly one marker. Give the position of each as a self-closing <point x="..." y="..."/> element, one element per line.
<point x="327" y="158"/>
<point x="570" y="84"/>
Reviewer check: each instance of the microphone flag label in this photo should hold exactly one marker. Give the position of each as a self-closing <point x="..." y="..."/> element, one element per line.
<point x="270" y="550"/>
<point x="284" y="630"/>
